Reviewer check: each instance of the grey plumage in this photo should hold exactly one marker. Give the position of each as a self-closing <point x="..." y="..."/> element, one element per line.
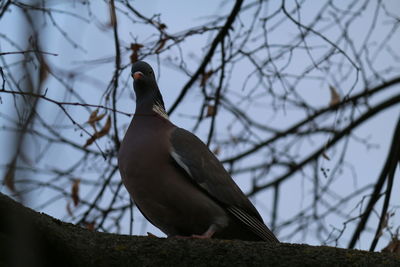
<point x="175" y="180"/>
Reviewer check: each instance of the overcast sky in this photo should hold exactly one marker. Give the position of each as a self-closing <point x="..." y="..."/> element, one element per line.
<point x="177" y="15"/>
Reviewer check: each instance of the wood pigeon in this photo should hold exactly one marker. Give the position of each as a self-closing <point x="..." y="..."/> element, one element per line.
<point x="175" y="180"/>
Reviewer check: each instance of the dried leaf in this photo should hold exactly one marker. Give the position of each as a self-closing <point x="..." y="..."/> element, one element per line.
<point x="384" y="224"/>
<point x="75" y="191"/>
<point x="135" y="52"/>
<point x="90" y="226"/>
<point x="162" y="26"/>
<point x="69" y="210"/>
<point x="205" y="77"/>
<point x="151" y="235"/>
<point x="161" y="44"/>
<point x="9" y="177"/>
<point x="335" y="97"/>
<point x="325" y="156"/>
<point x="217" y="150"/>
<point x="113" y="19"/>
<point x="136" y="46"/>
<point x="393" y="246"/>
<point x="234" y="139"/>
<point x="101" y="133"/>
<point x="100" y="117"/>
<point x="106" y="127"/>
<point x="44" y="68"/>
<point x="90" y="140"/>
<point x="210" y="111"/>
<point x="93" y="118"/>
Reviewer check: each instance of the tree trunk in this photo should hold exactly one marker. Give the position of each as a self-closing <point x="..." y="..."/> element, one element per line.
<point x="29" y="238"/>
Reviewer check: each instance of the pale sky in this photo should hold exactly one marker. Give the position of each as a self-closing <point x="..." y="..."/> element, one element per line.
<point x="177" y="15"/>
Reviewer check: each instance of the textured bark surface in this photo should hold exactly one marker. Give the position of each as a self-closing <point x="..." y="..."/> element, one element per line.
<point x="29" y="238"/>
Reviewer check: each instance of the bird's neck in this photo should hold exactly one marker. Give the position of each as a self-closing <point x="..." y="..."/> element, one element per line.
<point x="150" y="104"/>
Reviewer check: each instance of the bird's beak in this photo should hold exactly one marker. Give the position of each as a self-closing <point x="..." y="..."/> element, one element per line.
<point x="137" y="75"/>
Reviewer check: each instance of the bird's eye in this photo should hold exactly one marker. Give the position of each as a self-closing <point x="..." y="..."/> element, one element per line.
<point x="150" y="72"/>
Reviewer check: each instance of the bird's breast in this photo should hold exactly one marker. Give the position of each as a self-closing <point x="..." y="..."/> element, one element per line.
<point x="144" y="149"/>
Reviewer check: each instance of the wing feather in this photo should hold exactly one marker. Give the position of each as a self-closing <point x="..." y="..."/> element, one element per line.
<point x="201" y="165"/>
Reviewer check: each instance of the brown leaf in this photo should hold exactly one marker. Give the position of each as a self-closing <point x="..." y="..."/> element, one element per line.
<point x="113" y="18"/>
<point x="161" y="44"/>
<point x="205" y="77"/>
<point x="100" y="116"/>
<point x="217" y="150"/>
<point x="69" y="210"/>
<point x="210" y="111"/>
<point x="93" y="115"/>
<point x="335" y="97"/>
<point x="9" y="177"/>
<point x="135" y="47"/>
<point x="151" y="235"/>
<point x="93" y="118"/>
<point x="101" y="133"/>
<point x="90" y="226"/>
<point x="234" y="139"/>
<point x="75" y="191"/>
<point x="162" y="26"/>
<point x="325" y="156"/>
<point x="393" y="246"/>
<point x="106" y="127"/>
<point x="90" y="140"/>
<point x="384" y="224"/>
<point x="44" y="69"/>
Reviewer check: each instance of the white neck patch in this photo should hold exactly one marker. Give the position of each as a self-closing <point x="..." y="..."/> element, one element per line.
<point x="160" y="111"/>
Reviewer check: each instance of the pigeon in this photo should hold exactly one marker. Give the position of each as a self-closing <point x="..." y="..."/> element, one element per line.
<point x="177" y="183"/>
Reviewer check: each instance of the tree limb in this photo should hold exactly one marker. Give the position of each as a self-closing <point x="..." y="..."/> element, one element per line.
<point x="220" y="36"/>
<point x="28" y="238"/>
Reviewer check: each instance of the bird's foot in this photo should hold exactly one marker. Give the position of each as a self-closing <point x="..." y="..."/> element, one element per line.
<point x="191" y="237"/>
<point x="180" y="237"/>
<point x="206" y="235"/>
<point x="200" y="236"/>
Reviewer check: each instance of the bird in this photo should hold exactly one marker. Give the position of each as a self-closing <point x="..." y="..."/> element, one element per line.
<point x="176" y="182"/>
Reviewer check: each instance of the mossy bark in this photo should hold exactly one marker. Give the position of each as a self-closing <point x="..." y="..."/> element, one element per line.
<point x="29" y="238"/>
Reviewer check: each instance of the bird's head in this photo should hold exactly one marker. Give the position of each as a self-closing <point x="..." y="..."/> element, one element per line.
<point x="144" y="80"/>
<point x="143" y="75"/>
<point x="145" y="85"/>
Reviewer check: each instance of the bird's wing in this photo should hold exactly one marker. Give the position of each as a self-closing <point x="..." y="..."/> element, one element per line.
<point x="193" y="156"/>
